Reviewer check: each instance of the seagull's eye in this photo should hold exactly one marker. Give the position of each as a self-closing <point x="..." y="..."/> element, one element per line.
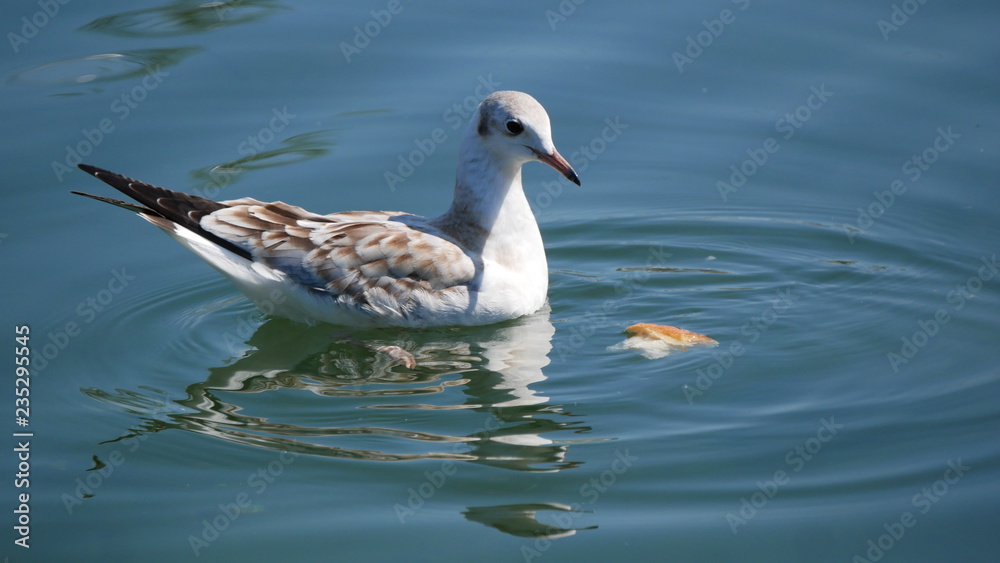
<point x="514" y="127"/>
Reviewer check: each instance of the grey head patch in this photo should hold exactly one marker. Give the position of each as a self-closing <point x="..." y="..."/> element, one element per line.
<point x="484" y="122"/>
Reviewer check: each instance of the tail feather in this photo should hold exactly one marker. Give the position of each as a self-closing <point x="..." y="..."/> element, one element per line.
<point x="182" y="209"/>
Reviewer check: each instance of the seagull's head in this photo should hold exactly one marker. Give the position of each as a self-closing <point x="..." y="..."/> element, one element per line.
<point x="514" y="127"/>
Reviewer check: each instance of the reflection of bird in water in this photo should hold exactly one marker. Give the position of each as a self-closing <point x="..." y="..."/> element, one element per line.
<point x="479" y="380"/>
<point x="522" y="519"/>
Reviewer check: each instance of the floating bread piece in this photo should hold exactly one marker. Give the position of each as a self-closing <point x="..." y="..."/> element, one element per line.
<point x="656" y="341"/>
<point x="669" y="334"/>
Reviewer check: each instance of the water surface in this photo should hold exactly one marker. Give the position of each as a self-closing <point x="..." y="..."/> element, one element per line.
<point x="812" y="186"/>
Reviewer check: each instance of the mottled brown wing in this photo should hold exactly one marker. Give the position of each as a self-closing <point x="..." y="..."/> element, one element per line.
<point x="345" y="253"/>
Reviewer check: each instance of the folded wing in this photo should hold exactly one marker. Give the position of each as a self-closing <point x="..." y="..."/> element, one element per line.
<point x="361" y="256"/>
<point x="345" y="253"/>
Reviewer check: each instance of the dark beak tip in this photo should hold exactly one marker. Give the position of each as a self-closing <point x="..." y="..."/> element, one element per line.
<point x="557" y="161"/>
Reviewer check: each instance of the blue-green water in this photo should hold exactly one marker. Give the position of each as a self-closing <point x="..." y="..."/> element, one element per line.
<point x="815" y="187"/>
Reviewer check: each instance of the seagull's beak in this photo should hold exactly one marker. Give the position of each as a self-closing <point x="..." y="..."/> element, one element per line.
<point x="555" y="160"/>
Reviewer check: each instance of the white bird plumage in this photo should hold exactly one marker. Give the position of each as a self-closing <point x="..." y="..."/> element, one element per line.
<point x="480" y="262"/>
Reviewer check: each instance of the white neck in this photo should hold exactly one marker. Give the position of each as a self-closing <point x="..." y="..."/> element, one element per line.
<point x="490" y="214"/>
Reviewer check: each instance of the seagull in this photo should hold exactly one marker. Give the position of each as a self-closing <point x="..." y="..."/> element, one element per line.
<point x="481" y="262"/>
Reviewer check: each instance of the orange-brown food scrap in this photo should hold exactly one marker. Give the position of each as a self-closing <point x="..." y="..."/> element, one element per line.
<point x="669" y="334"/>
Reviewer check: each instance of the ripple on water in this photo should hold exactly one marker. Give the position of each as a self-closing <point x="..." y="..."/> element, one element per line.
<point x="727" y="268"/>
<point x="293" y="150"/>
<point x="94" y="70"/>
<point x="183" y="18"/>
<point x="173" y="315"/>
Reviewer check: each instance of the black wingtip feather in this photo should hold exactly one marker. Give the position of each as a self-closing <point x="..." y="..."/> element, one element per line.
<point x="183" y="209"/>
<point x="117" y="202"/>
<point x="90" y="169"/>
